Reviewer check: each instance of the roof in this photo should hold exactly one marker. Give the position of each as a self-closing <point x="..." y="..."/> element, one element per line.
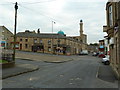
<point x="61" y="32"/>
<point x="44" y="35"/>
<point x="40" y="35"/>
<point x="4" y="28"/>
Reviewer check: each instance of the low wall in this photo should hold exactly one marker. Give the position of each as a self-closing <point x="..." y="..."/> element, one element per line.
<point x="7" y="65"/>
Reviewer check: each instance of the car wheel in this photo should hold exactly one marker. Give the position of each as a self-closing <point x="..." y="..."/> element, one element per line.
<point x="107" y="63"/>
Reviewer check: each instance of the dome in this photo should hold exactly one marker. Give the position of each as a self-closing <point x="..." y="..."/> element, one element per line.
<point x="61" y="32"/>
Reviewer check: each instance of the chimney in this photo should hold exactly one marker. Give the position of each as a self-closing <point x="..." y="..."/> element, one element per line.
<point x="38" y="31"/>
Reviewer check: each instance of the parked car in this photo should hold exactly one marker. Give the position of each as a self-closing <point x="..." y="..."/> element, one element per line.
<point x="101" y="55"/>
<point x="106" y="60"/>
<point x="95" y="54"/>
<point x="84" y="52"/>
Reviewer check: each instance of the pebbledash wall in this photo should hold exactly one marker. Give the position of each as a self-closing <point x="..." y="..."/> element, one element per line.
<point x="113" y="30"/>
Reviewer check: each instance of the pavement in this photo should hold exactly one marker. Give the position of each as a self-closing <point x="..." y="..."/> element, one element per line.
<point x="43" y="57"/>
<point x="106" y="73"/>
<point x="21" y="68"/>
<point x="18" y="69"/>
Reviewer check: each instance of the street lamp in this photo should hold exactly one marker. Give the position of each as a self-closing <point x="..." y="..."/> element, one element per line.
<point x="52" y="35"/>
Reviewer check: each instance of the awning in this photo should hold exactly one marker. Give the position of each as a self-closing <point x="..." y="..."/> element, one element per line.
<point x="101" y="46"/>
<point x="3" y="41"/>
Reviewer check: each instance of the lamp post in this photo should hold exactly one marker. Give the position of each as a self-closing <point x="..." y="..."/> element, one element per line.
<point x="16" y="7"/>
<point x="52" y="37"/>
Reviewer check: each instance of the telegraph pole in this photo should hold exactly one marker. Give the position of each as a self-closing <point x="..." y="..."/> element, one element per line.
<point x="119" y="37"/>
<point x="16" y="7"/>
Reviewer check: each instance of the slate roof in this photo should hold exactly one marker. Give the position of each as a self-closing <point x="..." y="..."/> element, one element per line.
<point x="44" y="35"/>
<point x="40" y="35"/>
<point x="4" y="28"/>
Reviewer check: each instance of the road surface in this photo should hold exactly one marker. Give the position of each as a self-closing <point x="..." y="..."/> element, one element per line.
<point x="81" y="72"/>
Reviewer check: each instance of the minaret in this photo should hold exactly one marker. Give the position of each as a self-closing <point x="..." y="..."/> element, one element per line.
<point x="81" y="27"/>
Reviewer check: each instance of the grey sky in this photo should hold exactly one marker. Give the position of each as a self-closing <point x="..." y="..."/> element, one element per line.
<point x="34" y="14"/>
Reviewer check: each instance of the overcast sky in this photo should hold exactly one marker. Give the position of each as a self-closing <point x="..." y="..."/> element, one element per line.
<point x="34" y="14"/>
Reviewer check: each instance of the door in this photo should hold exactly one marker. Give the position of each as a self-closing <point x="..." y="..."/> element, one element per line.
<point x="20" y="46"/>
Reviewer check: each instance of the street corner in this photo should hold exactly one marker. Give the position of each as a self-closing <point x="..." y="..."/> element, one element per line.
<point x="18" y="70"/>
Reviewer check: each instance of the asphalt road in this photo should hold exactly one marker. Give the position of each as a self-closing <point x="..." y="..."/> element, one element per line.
<point x="79" y="73"/>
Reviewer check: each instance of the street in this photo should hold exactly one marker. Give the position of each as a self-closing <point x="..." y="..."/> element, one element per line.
<point x="81" y="72"/>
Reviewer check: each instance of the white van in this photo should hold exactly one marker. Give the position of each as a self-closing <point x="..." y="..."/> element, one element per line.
<point x="84" y="52"/>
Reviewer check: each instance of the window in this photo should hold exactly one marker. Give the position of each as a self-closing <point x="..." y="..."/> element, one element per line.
<point x="26" y="40"/>
<point x="49" y="42"/>
<point x="49" y="49"/>
<point x="35" y="40"/>
<point x="59" y="41"/>
<point x="41" y="41"/>
<point x="6" y="38"/>
<point x="110" y="16"/>
<point x="26" y="45"/>
<point x="21" y="39"/>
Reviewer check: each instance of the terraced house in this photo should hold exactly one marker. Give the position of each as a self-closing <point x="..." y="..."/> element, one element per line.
<point x="5" y="36"/>
<point x="113" y="30"/>
<point x="57" y="43"/>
